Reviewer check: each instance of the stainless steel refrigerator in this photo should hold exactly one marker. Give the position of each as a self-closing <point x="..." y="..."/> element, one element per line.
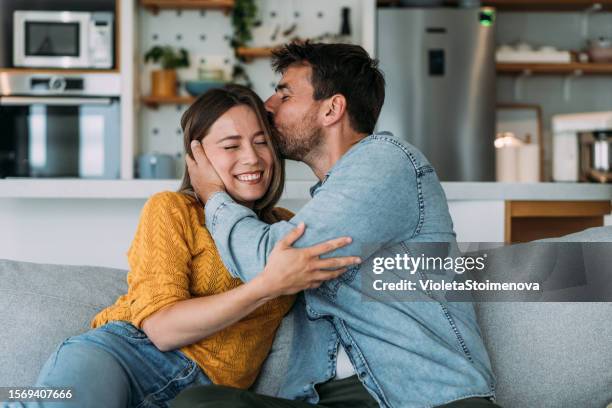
<point x="440" y="96"/>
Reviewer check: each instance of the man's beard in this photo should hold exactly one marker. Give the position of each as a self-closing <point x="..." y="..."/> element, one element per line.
<point x="297" y="141"/>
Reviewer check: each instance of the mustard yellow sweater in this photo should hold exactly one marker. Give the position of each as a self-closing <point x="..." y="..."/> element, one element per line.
<point x="174" y="258"/>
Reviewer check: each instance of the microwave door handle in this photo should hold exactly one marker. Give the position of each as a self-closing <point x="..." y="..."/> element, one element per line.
<point x="29" y="100"/>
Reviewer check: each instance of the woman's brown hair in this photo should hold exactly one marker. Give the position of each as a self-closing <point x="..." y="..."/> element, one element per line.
<point x="204" y="112"/>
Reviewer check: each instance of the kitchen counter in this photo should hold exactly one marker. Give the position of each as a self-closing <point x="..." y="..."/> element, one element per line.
<point x="297" y="190"/>
<point x="112" y="189"/>
<point x="460" y="191"/>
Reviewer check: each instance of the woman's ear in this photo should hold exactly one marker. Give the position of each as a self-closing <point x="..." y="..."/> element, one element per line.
<point x="335" y="109"/>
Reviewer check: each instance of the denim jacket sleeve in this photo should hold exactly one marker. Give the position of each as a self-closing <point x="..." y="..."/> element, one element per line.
<point x="371" y="195"/>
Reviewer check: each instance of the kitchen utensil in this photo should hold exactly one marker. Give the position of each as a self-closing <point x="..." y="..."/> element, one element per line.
<point x="596" y="157"/>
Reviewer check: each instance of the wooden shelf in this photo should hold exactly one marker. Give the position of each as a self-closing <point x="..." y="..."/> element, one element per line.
<point x="546" y="5"/>
<point x="524" y="5"/>
<point x="249" y="53"/>
<point x="155" y="101"/>
<point x="554" y="69"/>
<point x="156" y="5"/>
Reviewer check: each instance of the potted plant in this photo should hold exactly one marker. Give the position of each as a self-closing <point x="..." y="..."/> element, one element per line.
<point x="244" y="19"/>
<point x="163" y="81"/>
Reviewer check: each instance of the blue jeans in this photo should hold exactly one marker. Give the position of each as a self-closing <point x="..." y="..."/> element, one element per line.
<point x="116" y="365"/>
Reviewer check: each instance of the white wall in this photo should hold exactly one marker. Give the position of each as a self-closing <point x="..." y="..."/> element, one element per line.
<point x="68" y="231"/>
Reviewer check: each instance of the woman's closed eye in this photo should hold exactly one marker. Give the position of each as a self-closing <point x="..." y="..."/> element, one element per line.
<point x="260" y="140"/>
<point x="230" y="147"/>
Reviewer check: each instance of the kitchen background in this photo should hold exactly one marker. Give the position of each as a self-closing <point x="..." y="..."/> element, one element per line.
<point x="450" y="96"/>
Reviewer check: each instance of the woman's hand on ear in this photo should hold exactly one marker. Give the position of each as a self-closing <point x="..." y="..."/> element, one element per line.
<point x="290" y="270"/>
<point x="204" y="178"/>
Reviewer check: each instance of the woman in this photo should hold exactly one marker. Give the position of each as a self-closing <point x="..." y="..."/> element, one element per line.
<point x="185" y="320"/>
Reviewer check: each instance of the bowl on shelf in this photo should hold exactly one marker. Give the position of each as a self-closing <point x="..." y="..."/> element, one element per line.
<point x="197" y="87"/>
<point x="600" y="50"/>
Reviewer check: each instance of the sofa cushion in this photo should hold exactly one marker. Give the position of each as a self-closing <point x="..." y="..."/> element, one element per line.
<point x="41" y="305"/>
<point x="552" y="354"/>
<point x="549" y="355"/>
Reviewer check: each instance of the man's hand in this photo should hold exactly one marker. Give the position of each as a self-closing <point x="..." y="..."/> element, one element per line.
<point x="204" y="178"/>
<point x="290" y="270"/>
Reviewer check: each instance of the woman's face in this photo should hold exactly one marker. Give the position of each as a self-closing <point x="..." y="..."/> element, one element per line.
<point x="238" y="150"/>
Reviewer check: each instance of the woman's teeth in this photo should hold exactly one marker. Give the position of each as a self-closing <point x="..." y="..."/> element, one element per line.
<point x="249" y="176"/>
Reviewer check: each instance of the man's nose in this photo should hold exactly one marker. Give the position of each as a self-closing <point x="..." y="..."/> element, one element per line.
<point x="271" y="104"/>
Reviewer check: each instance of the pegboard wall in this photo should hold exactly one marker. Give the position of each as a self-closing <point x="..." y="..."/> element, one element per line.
<point x="206" y="34"/>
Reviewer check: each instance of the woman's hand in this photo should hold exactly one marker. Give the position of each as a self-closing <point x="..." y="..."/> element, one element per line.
<point x="290" y="270"/>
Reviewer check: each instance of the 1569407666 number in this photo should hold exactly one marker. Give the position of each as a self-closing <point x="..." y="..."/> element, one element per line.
<point x="35" y="394"/>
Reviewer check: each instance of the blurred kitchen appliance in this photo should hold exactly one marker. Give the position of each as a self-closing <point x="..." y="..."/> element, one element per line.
<point x="595" y="157"/>
<point x="63" y="39"/>
<point x="566" y="142"/>
<point x="55" y="126"/>
<point x="440" y="71"/>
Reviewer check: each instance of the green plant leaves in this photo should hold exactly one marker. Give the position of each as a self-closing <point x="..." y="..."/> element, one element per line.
<point x="168" y="57"/>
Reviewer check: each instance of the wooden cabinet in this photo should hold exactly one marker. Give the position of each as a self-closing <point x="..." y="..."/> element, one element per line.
<point x="530" y="220"/>
<point x="156" y="5"/>
<point x="546" y="5"/>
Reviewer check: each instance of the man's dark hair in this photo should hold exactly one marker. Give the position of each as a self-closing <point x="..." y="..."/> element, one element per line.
<point x="340" y="69"/>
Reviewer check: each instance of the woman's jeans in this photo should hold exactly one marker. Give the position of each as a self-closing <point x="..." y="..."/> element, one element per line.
<point x="116" y="365"/>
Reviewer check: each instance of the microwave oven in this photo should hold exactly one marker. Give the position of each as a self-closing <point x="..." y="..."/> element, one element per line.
<point x="63" y="39"/>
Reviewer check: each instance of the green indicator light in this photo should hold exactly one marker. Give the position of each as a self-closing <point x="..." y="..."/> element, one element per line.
<point x="487" y="17"/>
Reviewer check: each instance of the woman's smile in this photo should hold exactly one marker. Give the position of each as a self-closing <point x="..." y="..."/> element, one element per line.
<point x="250" y="178"/>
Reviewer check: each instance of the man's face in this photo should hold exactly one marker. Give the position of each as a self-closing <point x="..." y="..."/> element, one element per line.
<point x="296" y="113"/>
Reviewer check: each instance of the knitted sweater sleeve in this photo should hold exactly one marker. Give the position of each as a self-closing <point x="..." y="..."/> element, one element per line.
<point x="159" y="258"/>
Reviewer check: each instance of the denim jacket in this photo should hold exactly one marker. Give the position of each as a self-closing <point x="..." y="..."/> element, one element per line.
<point x="382" y="192"/>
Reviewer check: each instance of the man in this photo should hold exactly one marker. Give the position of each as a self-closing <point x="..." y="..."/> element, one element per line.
<point x="379" y="191"/>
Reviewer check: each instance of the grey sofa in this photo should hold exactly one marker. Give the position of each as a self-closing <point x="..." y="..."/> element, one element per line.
<point x="543" y="354"/>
